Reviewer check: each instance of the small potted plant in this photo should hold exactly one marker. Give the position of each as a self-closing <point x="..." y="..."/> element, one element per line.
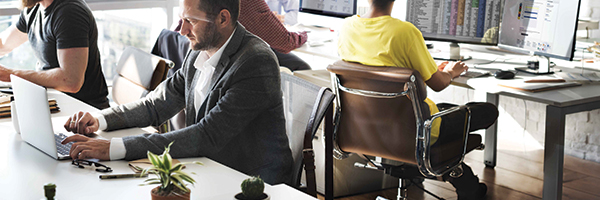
<point x="252" y="189"/>
<point x="170" y="177"/>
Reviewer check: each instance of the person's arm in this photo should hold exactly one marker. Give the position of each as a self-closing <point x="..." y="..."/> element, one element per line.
<point x="68" y="77"/>
<point x="10" y="39"/>
<point x="291" y="11"/>
<point x="255" y="89"/>
<point x="446" y="72"/>
<point x="258" y="19"/>
<point x="436" y="77"/>
<point x="151" y="110"/>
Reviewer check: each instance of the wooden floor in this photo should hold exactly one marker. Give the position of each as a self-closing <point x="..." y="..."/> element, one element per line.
<point x="518" y="175"/>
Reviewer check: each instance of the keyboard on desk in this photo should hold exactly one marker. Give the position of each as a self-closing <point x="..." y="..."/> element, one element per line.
<point x="474" y="73"/>
<point x="62" y="149"/>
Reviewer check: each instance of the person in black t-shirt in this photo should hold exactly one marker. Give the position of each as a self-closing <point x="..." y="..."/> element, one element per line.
<point x="64" y="35"/>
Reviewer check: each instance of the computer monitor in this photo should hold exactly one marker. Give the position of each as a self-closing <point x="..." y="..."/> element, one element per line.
<point x="456" y="21"/>
<point x="540" y="27"/>
<point x="334" y="8"/>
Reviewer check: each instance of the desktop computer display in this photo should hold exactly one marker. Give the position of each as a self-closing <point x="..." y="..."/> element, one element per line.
<point x="456" y="21"/>
<point x="542" y="27"/>
<point x="464" y="21"/>
<point x="334" y="8"/>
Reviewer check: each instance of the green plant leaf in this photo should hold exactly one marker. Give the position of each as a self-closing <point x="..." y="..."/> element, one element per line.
<point x="150" y="183"/>
<point x="182" y="187"/>
<point x="187" y="177"/>
<point x="165" y="181"/>
<point x="177" y="167"/>
<point x="153" y="159"/>
<point x="167" y="160"/>
<point x="152" y="179"/>
<point x="179" y="183"/>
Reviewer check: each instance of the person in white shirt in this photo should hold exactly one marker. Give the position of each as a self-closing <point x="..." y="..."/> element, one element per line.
<point x="230" y="88"/>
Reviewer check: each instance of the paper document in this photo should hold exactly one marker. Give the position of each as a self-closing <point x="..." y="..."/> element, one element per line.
<point x="535" y="87"/>
<point x="586" y="77"/>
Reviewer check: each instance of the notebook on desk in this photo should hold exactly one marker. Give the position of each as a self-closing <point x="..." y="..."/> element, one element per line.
<point x="535" y="87"/>
<point x="35" y="124"/>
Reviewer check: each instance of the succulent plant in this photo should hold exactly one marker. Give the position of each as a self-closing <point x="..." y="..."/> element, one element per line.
<point x="253" y="187"/>
<point x="170" y="177"/>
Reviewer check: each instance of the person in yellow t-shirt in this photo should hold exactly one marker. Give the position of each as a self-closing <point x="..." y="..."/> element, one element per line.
<point x="377" y="39"/>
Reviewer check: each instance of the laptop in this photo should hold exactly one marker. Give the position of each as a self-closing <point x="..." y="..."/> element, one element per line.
<point x="34" y="119"/>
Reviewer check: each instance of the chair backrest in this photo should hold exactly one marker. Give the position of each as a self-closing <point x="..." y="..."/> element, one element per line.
<point x="384" y="127"/>
<point x="304" y="107"/>
<point x="173" y="46"/>
<point x="138" y="73"/>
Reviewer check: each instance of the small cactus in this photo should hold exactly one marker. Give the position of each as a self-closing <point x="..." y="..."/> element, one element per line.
<point x="253" y="187"/>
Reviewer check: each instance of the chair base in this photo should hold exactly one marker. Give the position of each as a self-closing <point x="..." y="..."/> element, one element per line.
<point x="402" y="189"/>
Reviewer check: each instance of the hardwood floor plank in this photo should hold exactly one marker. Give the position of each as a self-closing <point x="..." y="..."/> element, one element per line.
<point x="524" y="184"/>
<point x="588" y="185"/>
<point x="518" y="175"/>
<point x="413" y="193"/>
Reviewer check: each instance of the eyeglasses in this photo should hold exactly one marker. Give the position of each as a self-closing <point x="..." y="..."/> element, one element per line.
<point x="193" y="20"/>
<point x="79" y="163"/>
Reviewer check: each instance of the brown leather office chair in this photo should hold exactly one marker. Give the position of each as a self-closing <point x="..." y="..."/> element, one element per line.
<point x="304" y="105"/>
<point x="380" y="111"/>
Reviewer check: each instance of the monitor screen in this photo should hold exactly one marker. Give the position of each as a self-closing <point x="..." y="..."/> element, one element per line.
<point x="544" y="27"/>
<point x="334" y="8"/>
<point x="464" y="21"/>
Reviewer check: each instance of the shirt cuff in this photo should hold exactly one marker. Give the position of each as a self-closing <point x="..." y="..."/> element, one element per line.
<point x="101" y="121"/>
<point x="117" y="149"/>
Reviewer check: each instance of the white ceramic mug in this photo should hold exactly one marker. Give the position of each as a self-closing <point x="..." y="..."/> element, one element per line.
<point x="13" y="115"/>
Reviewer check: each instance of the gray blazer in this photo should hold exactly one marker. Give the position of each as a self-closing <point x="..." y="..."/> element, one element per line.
<point x="240" y="124"/>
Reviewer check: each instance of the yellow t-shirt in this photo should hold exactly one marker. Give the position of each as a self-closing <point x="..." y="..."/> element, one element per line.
<point x="386" y="41"/>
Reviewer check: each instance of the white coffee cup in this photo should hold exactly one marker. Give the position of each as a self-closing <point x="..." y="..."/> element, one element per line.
<point x="13" y="115"/>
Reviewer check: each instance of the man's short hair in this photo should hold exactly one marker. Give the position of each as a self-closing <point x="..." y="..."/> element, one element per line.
<point x="213" y="7"/>
<point x="382" y="4"/>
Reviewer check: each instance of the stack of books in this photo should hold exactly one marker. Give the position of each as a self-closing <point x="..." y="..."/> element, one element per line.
<point x="5" y="105"/>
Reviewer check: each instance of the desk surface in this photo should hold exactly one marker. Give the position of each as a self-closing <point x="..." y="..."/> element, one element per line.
<point x="558" y="97"/>
<point x="24" y="170"/>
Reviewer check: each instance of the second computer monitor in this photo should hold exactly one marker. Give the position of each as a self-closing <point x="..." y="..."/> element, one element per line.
<point x="334" y="8"/>
<point x="544" y="27"/>
<point x="458" y="21"/>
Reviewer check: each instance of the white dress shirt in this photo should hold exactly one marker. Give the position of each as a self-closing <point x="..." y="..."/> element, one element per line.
<point x="290" y="7"/>
<point x="206" y="65"/>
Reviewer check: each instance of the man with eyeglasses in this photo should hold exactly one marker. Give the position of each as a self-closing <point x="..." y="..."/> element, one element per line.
<point x="230" y="88"/>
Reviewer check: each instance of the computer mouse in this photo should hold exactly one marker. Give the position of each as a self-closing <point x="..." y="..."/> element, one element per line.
<point x="504" y="74"/>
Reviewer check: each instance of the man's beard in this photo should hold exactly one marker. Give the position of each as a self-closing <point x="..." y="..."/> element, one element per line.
<point x="29" y="3"/>
<point x="209" y="40"/>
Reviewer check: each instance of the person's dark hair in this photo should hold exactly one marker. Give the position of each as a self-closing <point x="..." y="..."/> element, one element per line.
<point x="213" y="7"/>
<point x="382" y="4"/>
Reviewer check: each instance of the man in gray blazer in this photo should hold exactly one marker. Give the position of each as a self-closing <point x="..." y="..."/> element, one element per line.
<point x="230" y="89"/>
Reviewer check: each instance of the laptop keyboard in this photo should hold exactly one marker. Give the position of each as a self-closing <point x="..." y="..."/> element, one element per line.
<point x="62" y="149"/>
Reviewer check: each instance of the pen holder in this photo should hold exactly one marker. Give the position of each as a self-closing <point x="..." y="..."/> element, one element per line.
<point x="13" y="115"/>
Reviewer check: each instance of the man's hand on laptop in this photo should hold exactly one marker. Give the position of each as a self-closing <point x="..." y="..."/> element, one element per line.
<point x="85" y="147"/>
<point x="82" y="123"/>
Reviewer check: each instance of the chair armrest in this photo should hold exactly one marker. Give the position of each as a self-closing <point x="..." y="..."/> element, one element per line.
<point x="423" y="146"/>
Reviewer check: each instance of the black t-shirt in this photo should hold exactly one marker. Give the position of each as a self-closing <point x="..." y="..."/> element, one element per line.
<point x="62" y="25"/>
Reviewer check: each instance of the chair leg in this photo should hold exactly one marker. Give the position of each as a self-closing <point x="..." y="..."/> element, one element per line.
<point x="402" y="189"/>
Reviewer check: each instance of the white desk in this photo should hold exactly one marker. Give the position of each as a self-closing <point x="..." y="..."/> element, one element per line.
<point x="560" y="102"/>
<point x="24" y="170"/>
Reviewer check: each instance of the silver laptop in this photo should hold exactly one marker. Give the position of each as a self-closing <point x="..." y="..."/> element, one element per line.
<point x="34" y="120"/>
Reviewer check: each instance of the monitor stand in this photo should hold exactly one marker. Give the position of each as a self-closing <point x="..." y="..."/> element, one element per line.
<point x="539" y="66"/>
<point x="454" y="54"/>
